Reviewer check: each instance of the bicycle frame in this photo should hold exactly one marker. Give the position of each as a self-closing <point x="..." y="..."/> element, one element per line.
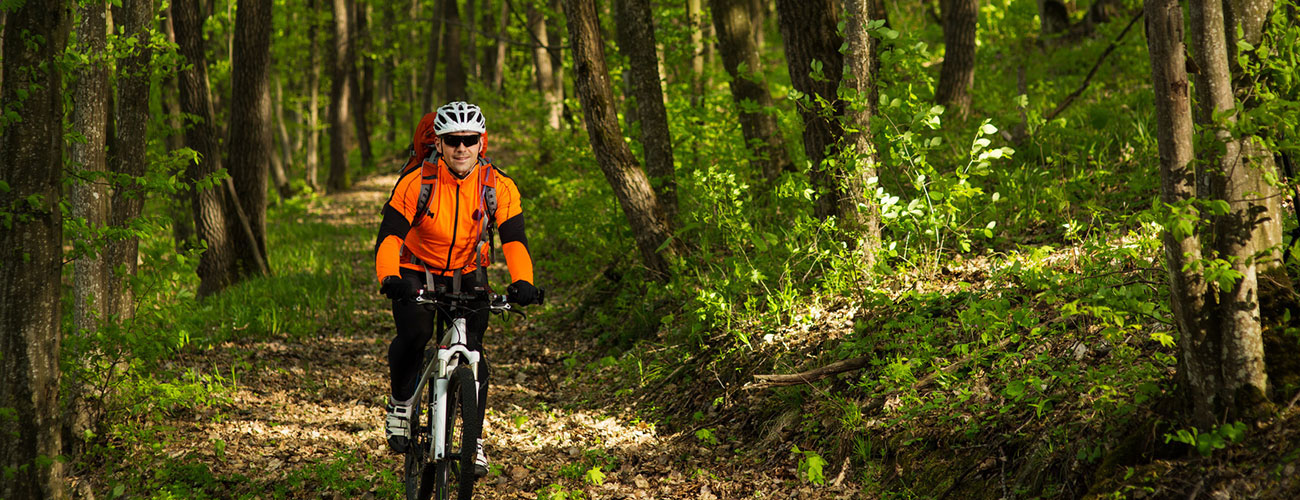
<point x="453" y="344"/>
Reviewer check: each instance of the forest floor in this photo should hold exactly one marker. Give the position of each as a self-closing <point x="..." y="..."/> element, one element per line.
<point x="305" y="418"/>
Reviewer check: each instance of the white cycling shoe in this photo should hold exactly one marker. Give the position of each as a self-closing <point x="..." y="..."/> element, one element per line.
<point x="480" y="461"/>
<point x="397" y="428"/>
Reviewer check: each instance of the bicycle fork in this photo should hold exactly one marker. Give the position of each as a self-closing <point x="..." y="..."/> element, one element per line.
<point x="453" y="343"/>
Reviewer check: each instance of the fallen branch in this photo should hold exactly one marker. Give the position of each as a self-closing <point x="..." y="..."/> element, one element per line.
<point x="1069" y="99"/>
<point x="810" y="376"/>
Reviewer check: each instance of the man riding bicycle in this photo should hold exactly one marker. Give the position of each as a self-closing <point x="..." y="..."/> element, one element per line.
<point x="435" y="232"/>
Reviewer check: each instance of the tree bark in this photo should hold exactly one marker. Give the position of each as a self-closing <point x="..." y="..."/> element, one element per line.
<point x="178" y="210"/>
<point x="636" y="39"/>
<point x="128" y="159"/>
<point x="544" y="69"/>
<point x="431" y="60"/>
<point x="472" y="43"/>
<point x="1053" y="16"/>
<point x="591" y="81"/>
<point x="555" y="35"/>
<point x="957" y="76"/>
<point x="311" y="165"/>
<point x="360" y="83"/>
<point x="1243" y="379"/>
<point x="1196" y="371"/>
<point x="340" y="99"/>
<point x="499" y="63"/>
<point x="89" y="194"/>
<point x="455" y="68"/>
<point x="208" y="200"/>
<point x="808" y="29"/>
<point x="249" y="146"/>
<point x="281" y="177"/>
<point x="859" y="207"/>
<point x="740" y="56"/>
<point x="31" y="164"/>
<point x="694" y="13"/>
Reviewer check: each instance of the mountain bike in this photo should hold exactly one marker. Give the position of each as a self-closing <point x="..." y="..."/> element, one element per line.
<point x="445" y="424"/>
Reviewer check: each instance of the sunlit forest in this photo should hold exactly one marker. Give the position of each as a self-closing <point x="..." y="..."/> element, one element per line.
<point x="789" y="248"/>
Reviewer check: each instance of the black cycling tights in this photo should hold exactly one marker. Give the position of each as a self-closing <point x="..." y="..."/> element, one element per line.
<point x="415" y="327"/>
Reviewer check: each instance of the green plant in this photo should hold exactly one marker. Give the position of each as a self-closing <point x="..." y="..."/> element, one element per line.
<point x="1206" y="443"/>
<point x="811" y="466"/>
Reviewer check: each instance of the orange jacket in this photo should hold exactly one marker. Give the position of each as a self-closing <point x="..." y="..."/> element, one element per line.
<point x="444" y="239"/>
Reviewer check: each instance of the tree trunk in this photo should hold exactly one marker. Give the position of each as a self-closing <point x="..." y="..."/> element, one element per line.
<point x="209" y="203"/>
<point x="694" y="13"/>
<point x="862" y="216"/>
<point x="250" y="131"/>
<point x="591" y="81"/>
<point x="431" y="62"/>
<point x="1243" y="379"/>
<point x="472" y="43"/>
<point x="31" y="164"/>
<point x="4" y="14"/>
<point x="281" y="177"/>
<point x="543" y="68"/>
<point x="89" y="194"/>
<point x="1196" y="371"/>
<point x="129" y="158"/>
<point x="758" y="9"/>
<point x="808" y="29"/>
<point x="636" y="39"/>
<point x="360" y="100"/>
<point x="749" y="89"/>
<point x="1053" y="17"/>
<point x="340" y="99"/>
<point x="178" y="210"/>
<point x="311" y="165"/>
<point x="555" y="35"/>
<point x="499" y="63"/>
<point x="455" y="69"/>
<point x="957" y="76"/>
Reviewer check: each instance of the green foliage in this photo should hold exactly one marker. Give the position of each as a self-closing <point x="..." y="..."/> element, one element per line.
<point x="810" y="466"/>
<point x="1206" y="443"/>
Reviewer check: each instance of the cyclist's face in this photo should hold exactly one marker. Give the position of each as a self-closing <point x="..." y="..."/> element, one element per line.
<point x="460" y="158"/>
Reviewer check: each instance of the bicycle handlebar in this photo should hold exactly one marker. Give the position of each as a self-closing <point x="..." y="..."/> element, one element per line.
<point x="496" y="303"/>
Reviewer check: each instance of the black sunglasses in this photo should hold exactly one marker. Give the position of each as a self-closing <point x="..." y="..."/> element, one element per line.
<point x="452" y="141"/>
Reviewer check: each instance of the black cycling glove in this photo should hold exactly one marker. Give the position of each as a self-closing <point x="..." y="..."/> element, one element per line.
<point x="396" y="288"/>
<point x="522" y="292"/>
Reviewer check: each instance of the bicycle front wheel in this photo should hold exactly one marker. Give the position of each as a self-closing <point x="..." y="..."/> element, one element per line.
<point x="454" y="474"/>
<point x="419" y="464"/>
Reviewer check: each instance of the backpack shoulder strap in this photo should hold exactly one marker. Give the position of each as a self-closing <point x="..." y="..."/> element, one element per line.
<point x="426" y="191"/>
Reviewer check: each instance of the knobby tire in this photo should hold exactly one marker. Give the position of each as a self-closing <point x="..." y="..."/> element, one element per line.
<point x="419" y="473"/>
<point x="457" y="475"/>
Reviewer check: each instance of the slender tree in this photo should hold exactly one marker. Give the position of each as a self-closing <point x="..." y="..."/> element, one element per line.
<point x="280" y="162"/>
<point x="740" y="56"/>
<point x="636" y="39"/>
<point x="543" y="68"/>
<point x="695" y="28"/>
<point x="249" y="147"/>
<point x="1243" y="381"/>
<point x="208" y="201"/>
<point x="89" y="194"/>
<point x="499" y="61"/>
<point x="311" y="165"/>
<point x="813" y="55"/>
<point x="431" y="61"/>
<point x="862" y="214"/>
<point x="457" y="83"/>
<point x="31" y="168"/>
<point x="957" y="76"/>
<point x="340" y="99"/>
<point x="128" y="159"/>
<point x="631" y="186"/>
<point x="1174" y="127"/>
<point x="498" y="74"/>
<point x="361" y="82"/>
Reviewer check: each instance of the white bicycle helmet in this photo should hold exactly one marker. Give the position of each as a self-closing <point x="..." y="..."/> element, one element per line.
<point x="459" y="116"/>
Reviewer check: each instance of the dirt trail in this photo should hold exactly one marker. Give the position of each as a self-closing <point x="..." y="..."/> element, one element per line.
<point x="298" y="407"/>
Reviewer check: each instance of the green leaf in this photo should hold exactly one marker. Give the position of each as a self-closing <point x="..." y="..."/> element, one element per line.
<point x="988" y="129"/>
<point x="595" y="476"/>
